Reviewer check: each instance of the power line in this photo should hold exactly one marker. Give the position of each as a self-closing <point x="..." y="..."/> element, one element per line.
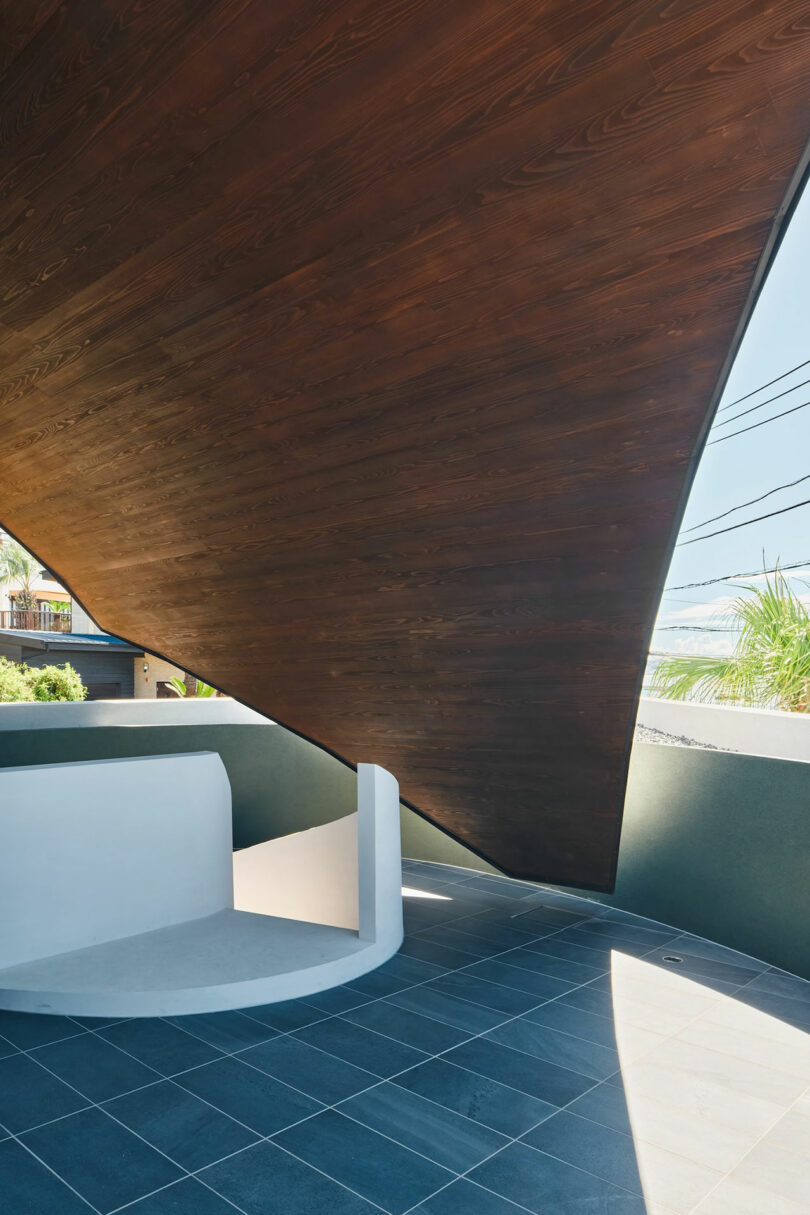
<point x="692" y="628"/>
<point x="755" y="425"/>
<point x="745" y="523"/>
<point x="761" y="388"/>
<point x="778" y="569"/>
<point x="768" y="401"/>
<point x="750" y="502"/>
<point x="678" y="654"/>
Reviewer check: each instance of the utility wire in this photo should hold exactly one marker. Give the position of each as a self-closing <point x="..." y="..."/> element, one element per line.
<point x="746" y="523"/>
<point x="750" y="502"/>
<point x="691" y="628"/>
<point x="754" y="391"/>
<point x="755" y="425"/>
<point x="688" y="586"/>
<point x="768" y="401"/>
<point x="678" y="654"/>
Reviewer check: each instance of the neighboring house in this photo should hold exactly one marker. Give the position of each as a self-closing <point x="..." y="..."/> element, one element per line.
<point x="109" y="667"/>
<point x="53" y="601"/>
<point x="105" y="664"/>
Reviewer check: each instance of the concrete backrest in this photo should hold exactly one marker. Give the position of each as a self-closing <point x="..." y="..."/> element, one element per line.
<point x="98" y="850"/>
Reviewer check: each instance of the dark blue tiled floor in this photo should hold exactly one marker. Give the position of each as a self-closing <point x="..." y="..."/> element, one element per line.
<point x="372" y="1165"/>
<point x="319" y="1074"/>
<point x="476" y="1073"/>
<point x="185" y="1128"/>
<point x="102" y="1160"/>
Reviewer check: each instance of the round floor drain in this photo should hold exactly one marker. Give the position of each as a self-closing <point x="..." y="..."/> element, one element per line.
<point x="672" y="957"/>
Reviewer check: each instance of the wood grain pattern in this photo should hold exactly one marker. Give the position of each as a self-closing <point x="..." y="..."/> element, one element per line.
<point x="367" y="346"/>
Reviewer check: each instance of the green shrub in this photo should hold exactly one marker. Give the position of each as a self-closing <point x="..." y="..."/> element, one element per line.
<point x="15" y="681"/>
<point x="56" y="683"/>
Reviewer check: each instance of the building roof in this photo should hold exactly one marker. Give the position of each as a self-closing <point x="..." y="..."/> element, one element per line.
<point x="35" y="640"/>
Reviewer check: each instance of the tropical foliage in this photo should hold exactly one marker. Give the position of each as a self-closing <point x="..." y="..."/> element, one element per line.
<point x="770" y="664"/>
<point x="56" y="683"/>
<point x="15" y="683"/>
<point x="191" y="687"/>
<point x="19" y="567"/>
<point x="20" y="682"/>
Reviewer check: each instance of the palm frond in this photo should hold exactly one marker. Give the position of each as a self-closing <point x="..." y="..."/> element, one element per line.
<point x="770" y="665"/>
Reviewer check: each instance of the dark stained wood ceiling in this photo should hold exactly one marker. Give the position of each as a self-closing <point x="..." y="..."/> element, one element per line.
<point x="355" y="357"/>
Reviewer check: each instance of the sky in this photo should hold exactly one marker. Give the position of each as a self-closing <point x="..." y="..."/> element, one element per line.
<point x="741" y="468"/>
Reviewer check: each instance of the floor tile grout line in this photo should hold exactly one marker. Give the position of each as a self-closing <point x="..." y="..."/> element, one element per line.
<point x="392" y="1079"/>
<point x="127" y="1206"/>
<point x="738" y="1059"/>
<point x="667" y="1037"/>
<point x="445" y="971"/>
<point x="513" y="1139"/>
<point x="159" y="1079"/>
<point x="334" y="1180"/>
<point x="752" y="1148"/>
<point x="520" y="1139"/>
<point x="674" y="1034"/>
<point x="96" y="1105"/>
<point x="58" y="1176"/>
<point x="173" y="1078"/>
<point x="162" y="1078"/>
<point x="531" y="944"/>
<point x="186" y="1172"/>
<point x="472" y="1037"/>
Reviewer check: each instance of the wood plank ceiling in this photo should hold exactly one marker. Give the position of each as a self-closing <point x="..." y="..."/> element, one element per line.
<point x="355" y="356"/>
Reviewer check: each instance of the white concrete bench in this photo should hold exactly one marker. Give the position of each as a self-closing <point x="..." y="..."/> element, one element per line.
<point x="117" y="891"/>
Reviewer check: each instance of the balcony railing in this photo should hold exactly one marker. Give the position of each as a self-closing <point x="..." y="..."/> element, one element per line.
<point x="40" y="621"/>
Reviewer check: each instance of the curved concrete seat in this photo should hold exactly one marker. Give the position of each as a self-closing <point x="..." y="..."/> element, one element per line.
<point x="227" y="960"/>
<point x="73" y="901"/>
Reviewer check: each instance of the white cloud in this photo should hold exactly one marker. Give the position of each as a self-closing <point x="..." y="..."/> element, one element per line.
<point x="697" y="613"/>
<point x="717" y="644"/>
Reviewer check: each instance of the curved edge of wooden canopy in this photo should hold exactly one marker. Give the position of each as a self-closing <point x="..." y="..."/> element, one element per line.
<point x="781" y="221"/>
<point x="512" y="838"/>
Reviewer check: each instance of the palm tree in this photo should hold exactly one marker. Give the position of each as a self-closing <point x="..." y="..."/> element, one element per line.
<point x="191" y="686"/>
<point x="19" y="567"/>
<point x="770" y="665"/>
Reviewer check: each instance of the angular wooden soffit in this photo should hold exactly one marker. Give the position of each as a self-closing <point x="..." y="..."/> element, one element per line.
<point x="356" y="356"/>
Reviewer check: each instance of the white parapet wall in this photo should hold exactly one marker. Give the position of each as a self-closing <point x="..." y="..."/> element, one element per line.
<point x="194" y="711"/>
<point x="765" y="732"/>
<point x="95" y="851"/>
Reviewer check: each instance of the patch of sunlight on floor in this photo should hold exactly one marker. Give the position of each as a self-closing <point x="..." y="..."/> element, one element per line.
<point x="717" y="1095"/>
<point x="410" y="892"/>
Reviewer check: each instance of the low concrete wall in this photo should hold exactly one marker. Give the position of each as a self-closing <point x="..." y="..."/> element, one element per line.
<point x="752" y="731"/>
<point x="65" y="715"/>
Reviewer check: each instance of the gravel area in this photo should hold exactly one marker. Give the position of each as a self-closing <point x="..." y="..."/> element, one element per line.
<point x="649" y="734"/>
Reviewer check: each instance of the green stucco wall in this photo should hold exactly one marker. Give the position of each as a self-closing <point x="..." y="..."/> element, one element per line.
<point x="718" y="844"/>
